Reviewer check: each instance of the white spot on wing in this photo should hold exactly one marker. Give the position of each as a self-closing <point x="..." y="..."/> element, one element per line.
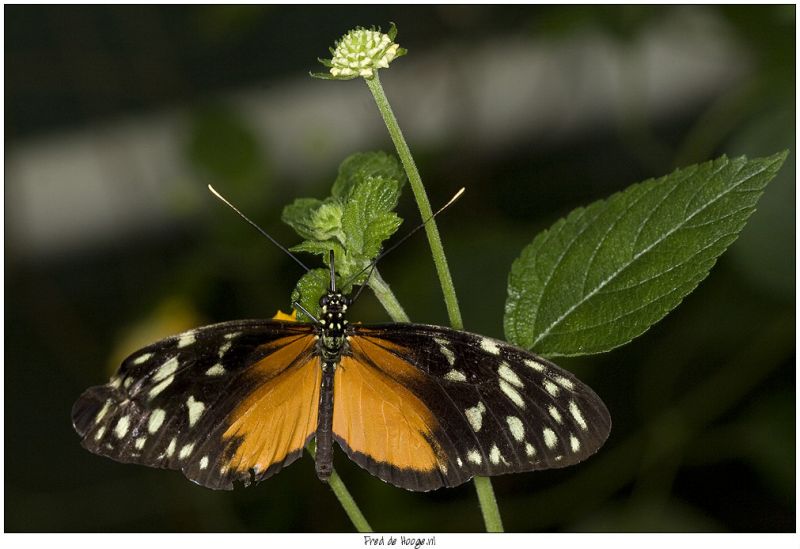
<point x="516" y="427"/>
<point x="512" y="393"/>
<point x="490" y="346"/>
<point x="529" y="449"/>
<point x="224" y="349"/>
<point x="103" y="411"/>
<point x="577" y="415"/>
<point x="564" y="382"/>
<point x="551" y="387"/>
<point x="186" y="451"/>
<point x="448" y="354"/>
<point x="475" y="416"/>
<point x="100" y="432"/>
<point x="535" y="365"/>
<point x="233" y="335"/>
<point x="171" y="447"/>
<point x="459" y="462"/>
<point x="141" y="359"/>
<point x="195" y="409"/>
<point x="443" y="347"/>
<point x="455" y="375"/>
<point x="550" y="438"/>
<point x="155" y="391"/>
<point x="494" y="454"/>
<point x="574" y="443"/>
<point x="216" y="370"/>
<point x="509" y="375"/>
<point x="203" y="463"/>
<point x="186" y="340"/>
<point x="140" y="442"/>
<point x="121" y="428"/>
<point x="473" y="456"/>
<point x="155" y="420"/>
<point x="166" y="370"/>
<point x="555" y="413"/>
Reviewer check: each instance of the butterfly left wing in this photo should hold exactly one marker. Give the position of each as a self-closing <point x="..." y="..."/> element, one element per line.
<point x="230" y="401"/>
<point x="423" y="407"/>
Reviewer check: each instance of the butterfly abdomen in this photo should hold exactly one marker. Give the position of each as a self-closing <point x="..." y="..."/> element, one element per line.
<point x="324" y="457"/>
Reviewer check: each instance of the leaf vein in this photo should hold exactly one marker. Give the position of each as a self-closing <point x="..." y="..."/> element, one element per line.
<point x="638" y="255"/>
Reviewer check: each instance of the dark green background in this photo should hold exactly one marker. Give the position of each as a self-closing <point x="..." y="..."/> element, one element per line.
<point x="703" y="404"/>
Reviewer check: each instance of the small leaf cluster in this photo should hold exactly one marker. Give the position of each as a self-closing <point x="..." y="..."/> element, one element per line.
<point x="353" y="221"/>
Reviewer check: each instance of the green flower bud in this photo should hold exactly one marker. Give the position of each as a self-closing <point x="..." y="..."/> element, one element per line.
<point x="361" y="52"/>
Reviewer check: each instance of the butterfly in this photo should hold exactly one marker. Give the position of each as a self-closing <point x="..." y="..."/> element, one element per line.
<point x="419" y="406"/>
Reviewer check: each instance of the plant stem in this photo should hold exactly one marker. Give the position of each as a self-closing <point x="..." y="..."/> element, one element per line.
<point x="488" y="502"/>
<point x="491" y="513"/>
<point x="387" y="298"/>
<point x="424" y="205"/>
<point x="343" y="495"/>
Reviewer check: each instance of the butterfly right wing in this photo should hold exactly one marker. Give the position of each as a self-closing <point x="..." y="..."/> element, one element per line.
<point x="423" y="407"/>
<point x="230" y="401"/>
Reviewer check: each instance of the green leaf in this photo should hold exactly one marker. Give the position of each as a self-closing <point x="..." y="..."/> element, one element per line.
<point x="368" y="218"/>
<point x="606" y="273"/>
<point x="321" y="249"/>
<point x="314" y="219"/>
<point x="356" y="219"/>
<point x="360" y="166"/>
<point x="309" y="289"/>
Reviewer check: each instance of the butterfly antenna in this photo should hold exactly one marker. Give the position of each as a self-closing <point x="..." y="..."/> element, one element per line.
<point x="333" y="273"/>
<point x="259" y="229"/>
<point x="361" y="288"/>
<point x="406" y="237"/>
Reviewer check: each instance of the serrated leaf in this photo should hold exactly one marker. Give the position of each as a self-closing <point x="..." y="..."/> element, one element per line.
<point x="360" y="166"/>
<point x="379" y="229"/>
<point x="309" y="289"/>
<point x="368" y="219"/>
<point x="314" y="219"/>
<point x="606" y="273"/>
<point x="320" y="248"/>
<point x="356" y="219"/>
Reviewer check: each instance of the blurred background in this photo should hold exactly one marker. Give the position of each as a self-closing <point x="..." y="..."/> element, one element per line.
<point x="116" y="118"/>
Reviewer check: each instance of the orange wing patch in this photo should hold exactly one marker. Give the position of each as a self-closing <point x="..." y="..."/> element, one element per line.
<point x="375" y="415"/>
<point x="278" y="417"/>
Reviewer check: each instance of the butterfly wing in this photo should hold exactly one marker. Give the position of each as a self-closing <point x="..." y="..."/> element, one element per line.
<point x="423" y="407"/>
<point x="230" y="401"/>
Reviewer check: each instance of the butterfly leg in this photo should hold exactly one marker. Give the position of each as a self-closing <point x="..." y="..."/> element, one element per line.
<point x="324" y="460"/>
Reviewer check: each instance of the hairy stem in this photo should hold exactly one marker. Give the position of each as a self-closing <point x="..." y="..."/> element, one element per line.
<point x="387" y="298"/>
<point x="424" y="205"/>
<point x="489" y="509"/>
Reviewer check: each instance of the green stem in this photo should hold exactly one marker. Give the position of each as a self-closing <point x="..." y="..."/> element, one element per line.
<point x="343" y="495"/>
<point x="387" y="298"/>
<point x="488" y="502"/>
<point x="424" y="205"/>
<point x="491" y="514"/>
